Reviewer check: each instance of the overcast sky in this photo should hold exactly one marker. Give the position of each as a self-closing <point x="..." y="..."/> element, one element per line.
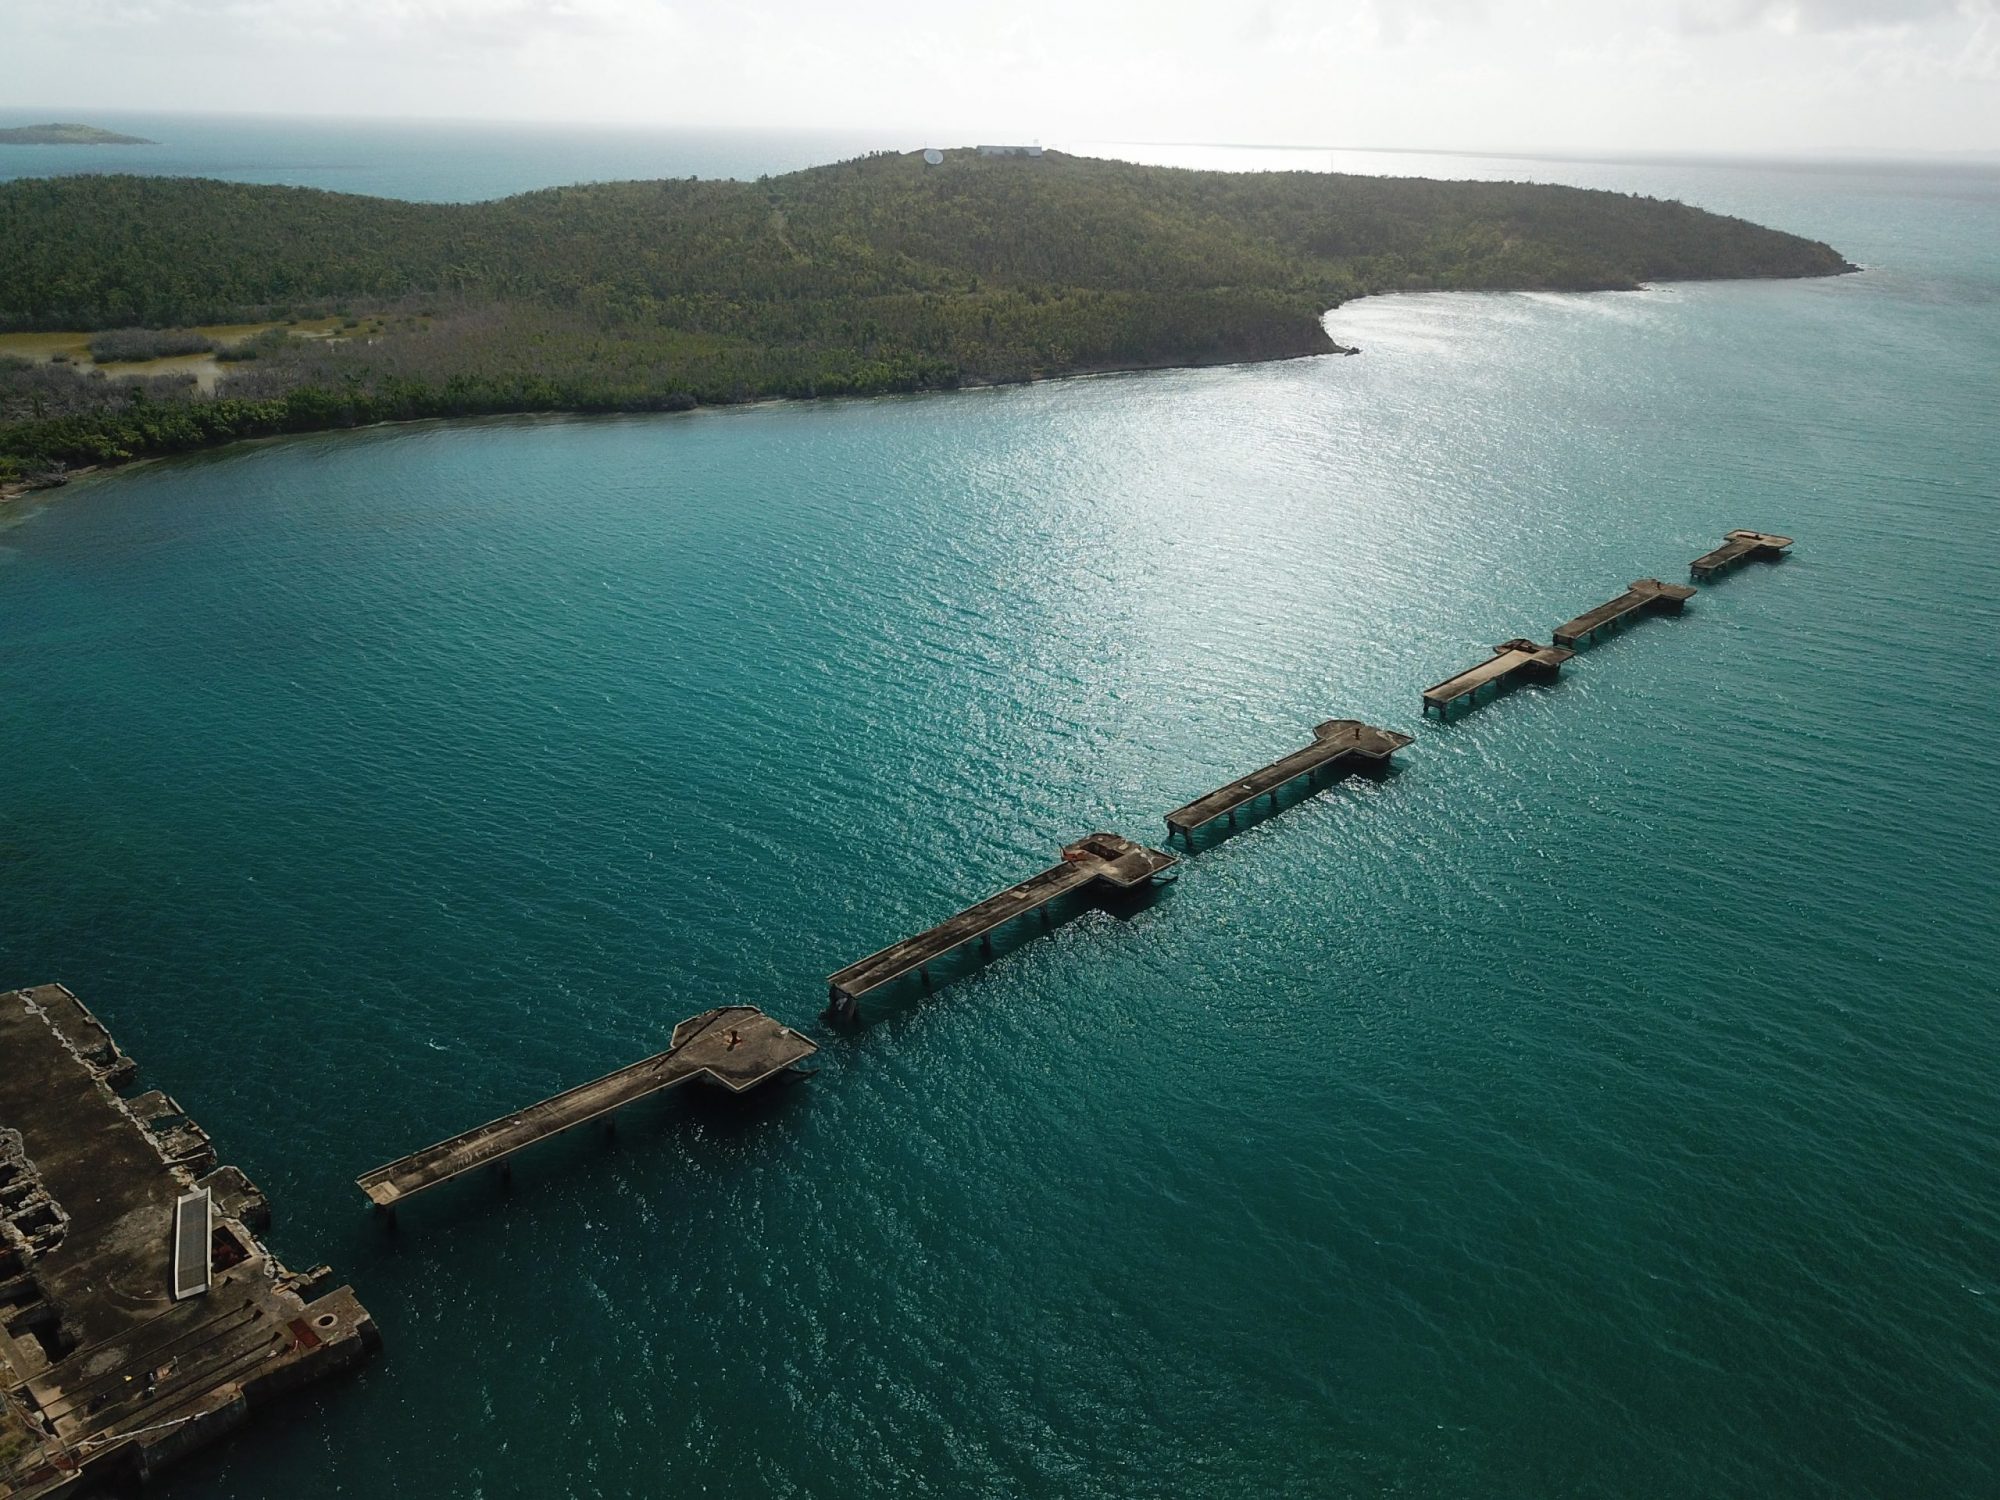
<point x="1730" y="75"/>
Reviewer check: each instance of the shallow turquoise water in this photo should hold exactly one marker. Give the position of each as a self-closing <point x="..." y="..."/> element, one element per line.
<point x="1602" y="1105"/>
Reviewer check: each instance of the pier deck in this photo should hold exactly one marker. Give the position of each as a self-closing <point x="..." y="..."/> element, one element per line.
<point x="1646" y="595"/>
<point x="737" y="1046"/>
<point x="1338" y="744"/>
<point x="1739" y="547"/>
<point x="1102" y="857"/>
<point x="1515" y="658"/>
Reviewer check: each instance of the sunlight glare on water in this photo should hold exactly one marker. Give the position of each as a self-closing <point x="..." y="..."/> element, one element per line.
<point x="1602" y="1104"/>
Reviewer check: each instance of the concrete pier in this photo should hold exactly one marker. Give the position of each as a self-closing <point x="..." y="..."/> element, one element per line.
<point x="1511" y="659"/>
<point x="1339" y="745"/>
<point x="736" y="1046"/>
<point x="1645" y="596"/>
<point x="1737" y="548"/>
<point x="1102" y="859"/>
<point x="105" y="1376"/>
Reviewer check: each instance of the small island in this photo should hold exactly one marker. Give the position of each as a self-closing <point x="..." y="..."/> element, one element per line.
<point x="67" y="135"/>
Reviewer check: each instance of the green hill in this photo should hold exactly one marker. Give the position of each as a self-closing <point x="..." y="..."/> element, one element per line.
<point x="876" y="274"/>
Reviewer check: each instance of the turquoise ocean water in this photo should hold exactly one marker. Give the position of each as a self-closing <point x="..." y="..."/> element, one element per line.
<point x="1603" y="1105"/>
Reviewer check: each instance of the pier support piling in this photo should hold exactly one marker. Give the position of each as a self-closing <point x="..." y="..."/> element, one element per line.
<point x="736" y="1046"/>
<point x="1645" y="596"/>
<point x="1511" y="659"/>
<point x="1339" y="745"/>
<point x="1103" y="860"/>
<point x="1737" y="548"/>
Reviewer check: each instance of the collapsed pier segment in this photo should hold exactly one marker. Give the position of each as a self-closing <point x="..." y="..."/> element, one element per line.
<point x="1105" y="859"/>
<point x="1737" y="548"/>
<point x="133" y="1330"/>
<point x="1511" y="659"/>
<point x="1645" y="596"/>
<point x="736" y="1046"/>
<point x="1338" y="745"/>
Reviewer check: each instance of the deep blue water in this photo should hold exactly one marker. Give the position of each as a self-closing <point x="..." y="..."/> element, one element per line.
<point x="1602" y="1105"/>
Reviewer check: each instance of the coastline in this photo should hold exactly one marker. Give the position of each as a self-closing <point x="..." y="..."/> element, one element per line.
<point x="853" y="284"/>
<point x="12" y="491"/>
<point x="15" y="490"/>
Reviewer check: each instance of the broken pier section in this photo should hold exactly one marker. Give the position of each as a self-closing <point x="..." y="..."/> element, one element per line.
<point x="1739" y="547"/>
<point x="1511" y="659"/>
<point x="1102" y="859"/>
<point x="1339" y="745"/>
<point x="736" y="1046"/>
<point x="1645" y="596"/>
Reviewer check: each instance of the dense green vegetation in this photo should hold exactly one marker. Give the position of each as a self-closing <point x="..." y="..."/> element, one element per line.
<point x="148" y="343"/>
<point x="879" y="274"/>
<point x="68" y="135"/>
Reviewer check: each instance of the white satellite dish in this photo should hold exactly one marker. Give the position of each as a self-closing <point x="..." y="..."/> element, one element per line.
<point x="933" y="156"/>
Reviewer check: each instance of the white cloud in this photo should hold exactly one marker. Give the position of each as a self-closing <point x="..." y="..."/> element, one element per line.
<point x="1476" y="74"/>
<point x="1792" y="17"/>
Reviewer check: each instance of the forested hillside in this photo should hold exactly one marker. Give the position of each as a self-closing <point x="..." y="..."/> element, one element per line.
<point x="870" y="275"/>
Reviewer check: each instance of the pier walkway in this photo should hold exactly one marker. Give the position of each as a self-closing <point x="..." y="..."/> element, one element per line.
<point x="1338" y="744"/>
<point x="1102" y="857"/>
<point x="1737" y="548"/>
<point x="1647" y="595"/>
<point x="737" y="1046"/>
<point x="1515" y="658"/>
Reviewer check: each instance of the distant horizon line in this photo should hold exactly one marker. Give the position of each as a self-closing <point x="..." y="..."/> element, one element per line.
<point x="68" y="113"/>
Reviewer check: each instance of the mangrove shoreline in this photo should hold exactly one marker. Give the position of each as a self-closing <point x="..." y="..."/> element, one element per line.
<point x="18" y="489"/>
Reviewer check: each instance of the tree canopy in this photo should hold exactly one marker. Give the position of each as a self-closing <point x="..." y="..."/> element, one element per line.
<point x="880" y="273"/>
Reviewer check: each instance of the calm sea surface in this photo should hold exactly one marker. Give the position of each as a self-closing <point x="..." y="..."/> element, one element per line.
<point x="1604" y="1105"/>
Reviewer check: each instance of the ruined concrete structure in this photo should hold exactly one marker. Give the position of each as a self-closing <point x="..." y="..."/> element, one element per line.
<point x="104" y="1375"/>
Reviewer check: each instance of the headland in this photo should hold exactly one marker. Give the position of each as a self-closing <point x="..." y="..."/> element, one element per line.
<point x="886" y="273"/>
